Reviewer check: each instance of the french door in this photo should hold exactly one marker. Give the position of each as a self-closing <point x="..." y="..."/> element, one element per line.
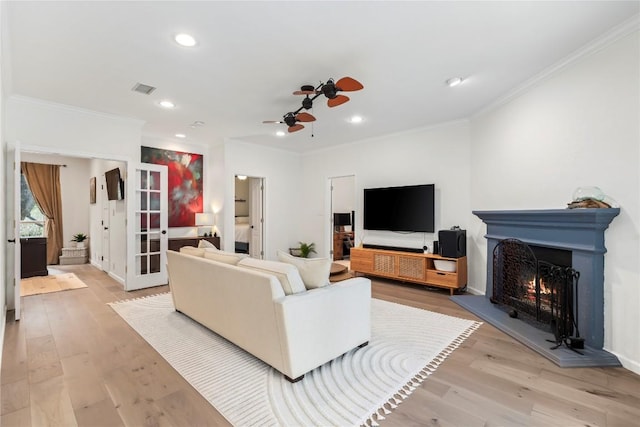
<point x="12" y="224"/>
<point x="147" y="216"/>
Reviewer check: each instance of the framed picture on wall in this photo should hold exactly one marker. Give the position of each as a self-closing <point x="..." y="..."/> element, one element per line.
<point x="184" y="176"/>
<point x="92" y="190"/>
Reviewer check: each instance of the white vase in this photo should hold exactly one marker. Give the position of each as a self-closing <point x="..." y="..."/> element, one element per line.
<point x="80" y="245"/>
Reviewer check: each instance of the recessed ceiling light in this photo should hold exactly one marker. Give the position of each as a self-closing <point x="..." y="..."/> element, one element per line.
<point x="280" y="133"/>
<point x="454" y="81"/>
<point x="180" y="135"/>
<point x="185" y="40"/>
<point x="356" y="119"/>
<point x="167" y="104"/>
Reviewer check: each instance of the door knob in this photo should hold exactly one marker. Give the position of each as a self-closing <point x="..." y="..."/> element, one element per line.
<point x="11" y="240"/>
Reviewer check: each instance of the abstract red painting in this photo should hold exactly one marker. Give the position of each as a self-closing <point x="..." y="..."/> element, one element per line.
<point x="184" y="183"/>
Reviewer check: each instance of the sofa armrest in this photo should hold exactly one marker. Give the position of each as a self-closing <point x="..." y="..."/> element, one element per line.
<point x="322" y="324"/>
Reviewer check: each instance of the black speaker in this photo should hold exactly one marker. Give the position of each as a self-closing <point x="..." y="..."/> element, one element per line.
<point x="453" y="243"/>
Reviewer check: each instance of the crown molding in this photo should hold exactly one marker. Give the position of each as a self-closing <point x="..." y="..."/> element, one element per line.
<point x="21" y="99"/>
<point x="608" y="38"/>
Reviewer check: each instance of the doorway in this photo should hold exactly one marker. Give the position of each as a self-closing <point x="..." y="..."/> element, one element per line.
<point x="343" y="215"/>
<point x="249" y="215"/>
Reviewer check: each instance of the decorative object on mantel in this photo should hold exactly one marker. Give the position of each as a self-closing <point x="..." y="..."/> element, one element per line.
<point x="591" y="197"/>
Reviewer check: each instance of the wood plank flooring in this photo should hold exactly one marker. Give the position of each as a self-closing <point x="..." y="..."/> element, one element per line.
<point x="72" y="360"/>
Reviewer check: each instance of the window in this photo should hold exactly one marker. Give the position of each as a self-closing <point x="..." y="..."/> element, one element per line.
<point x="31" y="217"/>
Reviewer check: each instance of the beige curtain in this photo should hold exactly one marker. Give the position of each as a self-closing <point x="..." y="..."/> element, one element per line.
<point x="44" y="182"/>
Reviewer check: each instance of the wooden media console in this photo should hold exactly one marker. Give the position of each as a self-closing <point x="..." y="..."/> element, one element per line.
<point x="409" y="267"/>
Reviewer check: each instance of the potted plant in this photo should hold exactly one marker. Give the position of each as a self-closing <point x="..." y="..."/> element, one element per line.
<point x="307" y="249"/>
<point x="79" y="239"/>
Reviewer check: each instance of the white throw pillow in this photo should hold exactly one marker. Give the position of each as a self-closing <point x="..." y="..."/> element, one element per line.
<point x="287" y="274"/>
<point x="206" y="244"/>
<point x="314" y="271"/>
<point x="225" y="257"/>
<point x="192" y="250"/>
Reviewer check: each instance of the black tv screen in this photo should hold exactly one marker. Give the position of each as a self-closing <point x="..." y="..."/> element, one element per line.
<point x="115" y="185"/>
<point x="408" y="208"/>
<point x="341" y="219"/>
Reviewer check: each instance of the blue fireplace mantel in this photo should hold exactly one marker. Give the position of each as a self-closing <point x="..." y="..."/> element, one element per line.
<point x="571" y="229"/>
<point x="580" y="231"/>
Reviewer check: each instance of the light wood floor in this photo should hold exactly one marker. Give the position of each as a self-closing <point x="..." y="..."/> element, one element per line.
<point x="72" y="361"/>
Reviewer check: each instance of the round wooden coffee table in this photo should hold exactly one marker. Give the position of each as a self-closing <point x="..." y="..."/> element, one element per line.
<point x="337" y="268"/>
<point x="339" y="272"/>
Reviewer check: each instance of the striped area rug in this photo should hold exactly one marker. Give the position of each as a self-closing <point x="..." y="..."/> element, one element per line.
<point x="358" y="388"/>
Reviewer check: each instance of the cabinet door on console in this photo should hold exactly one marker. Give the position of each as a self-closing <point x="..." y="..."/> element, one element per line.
<point x="361" y="260"/>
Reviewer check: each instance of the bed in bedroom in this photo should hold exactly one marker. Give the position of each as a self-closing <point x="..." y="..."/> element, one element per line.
<point x="242" y="234"/>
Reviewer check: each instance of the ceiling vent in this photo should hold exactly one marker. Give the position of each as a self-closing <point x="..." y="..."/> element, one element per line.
<point x="144" y="89"/>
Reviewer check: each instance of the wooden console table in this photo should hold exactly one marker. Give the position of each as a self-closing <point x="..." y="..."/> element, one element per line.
<point x="338" y="243"/>
<point x="33" y="257"/>
<point x="176" y="243"/>
<point x="409" y="267"/>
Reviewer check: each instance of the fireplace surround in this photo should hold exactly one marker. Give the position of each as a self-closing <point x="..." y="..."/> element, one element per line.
<point x="580" y="231"/>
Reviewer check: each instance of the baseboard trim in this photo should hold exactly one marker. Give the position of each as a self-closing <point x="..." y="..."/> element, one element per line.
<point x="3" y="325"/>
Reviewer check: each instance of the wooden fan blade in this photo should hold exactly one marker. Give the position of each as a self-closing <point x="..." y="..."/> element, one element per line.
<point x="295" y="128"/>
<point x="304" y="92"/>
<point x="348" y="84"/>
<point x="272" y="121"/>
<point x="305" y="117"/>
<point x="338" y="100"/>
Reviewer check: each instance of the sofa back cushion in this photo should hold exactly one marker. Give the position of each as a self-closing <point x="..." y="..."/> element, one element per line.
<point x="222" y="256"/>
<point x="192" y="250"/>
<point x="287" y="274"/>
<point x="206" y="244"/>
<point x="314" y="271"/>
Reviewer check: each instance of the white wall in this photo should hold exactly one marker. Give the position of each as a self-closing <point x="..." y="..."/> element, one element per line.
<point x="437" y="155"/>
<point x="281" y="171"/>
<point x="344" y="193"/>
<point x="579" y="127"/>
<point x="241" y="192"/>
<point x="4" y="259"/>
<point x="46" y="127"/>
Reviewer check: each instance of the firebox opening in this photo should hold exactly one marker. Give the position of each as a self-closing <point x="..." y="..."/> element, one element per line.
<point x="536" y="285"/>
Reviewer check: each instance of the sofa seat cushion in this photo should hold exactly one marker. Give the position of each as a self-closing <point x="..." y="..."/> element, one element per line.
<point x="192" y="250"/>
<point x="222" y="256"/>
<point x="287" y="274"/>
<point x="314" y="271"/>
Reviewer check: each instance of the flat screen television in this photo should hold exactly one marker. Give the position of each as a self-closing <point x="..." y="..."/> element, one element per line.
<point x="407" y="208"/>
<point x="115" y="184"/>
<point x="340" y="219"/>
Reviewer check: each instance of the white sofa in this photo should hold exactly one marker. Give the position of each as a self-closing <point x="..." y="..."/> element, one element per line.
<point x="293" y="333"/>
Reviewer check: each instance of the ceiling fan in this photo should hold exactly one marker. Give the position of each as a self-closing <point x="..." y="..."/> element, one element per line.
<point x="329" y="89"/>
<point x="292" y="119"/>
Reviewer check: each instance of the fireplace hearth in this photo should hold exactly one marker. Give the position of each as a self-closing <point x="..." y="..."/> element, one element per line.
<point x="554" y="306"/>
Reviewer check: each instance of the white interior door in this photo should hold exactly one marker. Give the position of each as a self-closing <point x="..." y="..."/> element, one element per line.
<point x="104" y="200"/>
<point x="256" y="194"/>
<point x="12" y="231"/>
<point x="147" y="219"/>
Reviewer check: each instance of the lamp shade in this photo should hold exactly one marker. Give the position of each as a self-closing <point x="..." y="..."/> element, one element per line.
<point x="204" y="218"/>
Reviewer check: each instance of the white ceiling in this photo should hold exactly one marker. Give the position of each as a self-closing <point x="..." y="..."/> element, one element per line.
<point x="251" y="56"/>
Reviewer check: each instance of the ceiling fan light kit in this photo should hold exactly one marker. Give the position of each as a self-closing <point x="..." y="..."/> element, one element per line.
<point x="329" y="89"/>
